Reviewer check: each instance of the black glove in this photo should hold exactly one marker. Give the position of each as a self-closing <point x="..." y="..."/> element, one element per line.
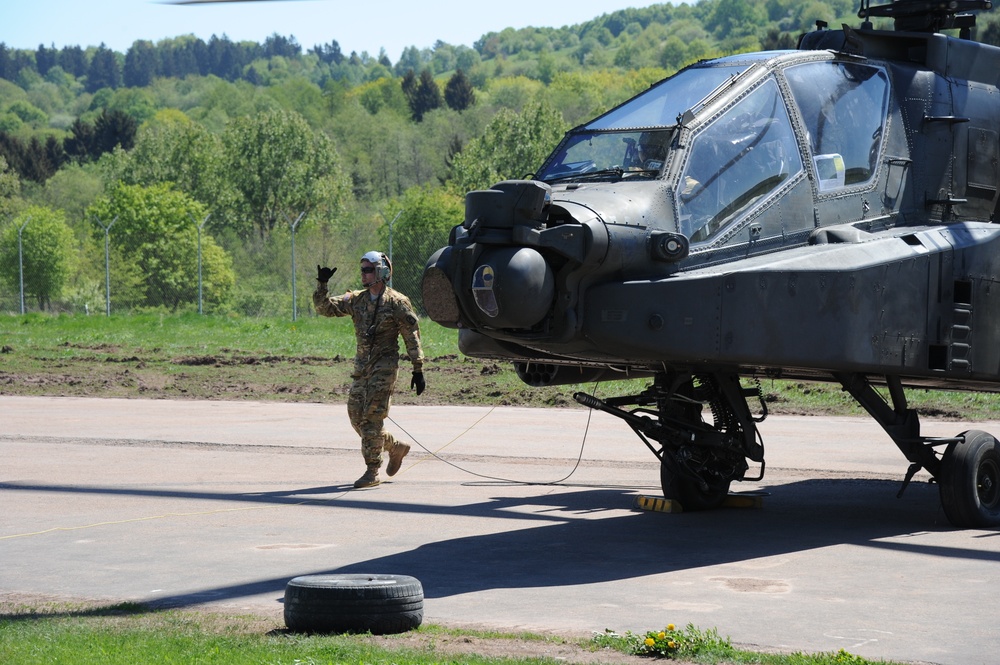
<point x="417" y="382"/>
<point x="323" y="275"/>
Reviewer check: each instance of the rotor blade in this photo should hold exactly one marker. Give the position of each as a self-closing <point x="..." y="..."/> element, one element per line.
<point x="211" y="2"/>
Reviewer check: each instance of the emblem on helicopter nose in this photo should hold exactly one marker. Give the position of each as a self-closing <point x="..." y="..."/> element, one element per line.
<point x="482" y="290"/>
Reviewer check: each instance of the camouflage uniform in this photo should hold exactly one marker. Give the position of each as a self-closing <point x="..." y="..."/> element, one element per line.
<point x="377" y="325"/>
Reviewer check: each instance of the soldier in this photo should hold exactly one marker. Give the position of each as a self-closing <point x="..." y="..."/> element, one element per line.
<point x="381" y="315"/>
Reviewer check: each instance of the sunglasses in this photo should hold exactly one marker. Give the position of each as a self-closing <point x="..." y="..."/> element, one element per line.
<point x="368" y="271"/>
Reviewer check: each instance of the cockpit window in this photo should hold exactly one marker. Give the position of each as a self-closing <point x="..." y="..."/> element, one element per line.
<point x="844" y="107"/>
<point x="632" y="141"/>
<point x="735" y="162"/>
<point x="608" y="155"/>
<point x="663" y="103"/>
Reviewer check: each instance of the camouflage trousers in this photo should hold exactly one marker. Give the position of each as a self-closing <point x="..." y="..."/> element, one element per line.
<point x="368" y="407"/>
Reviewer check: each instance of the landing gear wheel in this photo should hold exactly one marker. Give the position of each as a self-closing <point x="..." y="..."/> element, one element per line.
<point x="379" y="604"/>
<point x="970" y="481"/>
<point x="689" y="493"/>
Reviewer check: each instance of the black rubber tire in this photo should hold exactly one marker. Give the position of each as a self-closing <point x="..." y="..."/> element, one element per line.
<point x="354" y="603"/>
<point x="970" y="481"/>
<point x="687" y="492"/>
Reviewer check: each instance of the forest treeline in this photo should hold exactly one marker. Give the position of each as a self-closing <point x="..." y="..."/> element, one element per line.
<point x="247" y="138"/>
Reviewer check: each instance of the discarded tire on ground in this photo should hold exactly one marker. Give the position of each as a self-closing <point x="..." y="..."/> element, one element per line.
<point x="354" y="603"/>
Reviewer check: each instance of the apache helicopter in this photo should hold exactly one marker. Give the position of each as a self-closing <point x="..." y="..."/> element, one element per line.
<point x="825" y="214"/>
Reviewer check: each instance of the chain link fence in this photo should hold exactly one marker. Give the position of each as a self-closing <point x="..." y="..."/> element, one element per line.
<point x="102" y="270"/>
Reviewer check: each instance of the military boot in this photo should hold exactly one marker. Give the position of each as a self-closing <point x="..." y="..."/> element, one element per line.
<point x="370" y="479"/>
<point x="396" y="456"/>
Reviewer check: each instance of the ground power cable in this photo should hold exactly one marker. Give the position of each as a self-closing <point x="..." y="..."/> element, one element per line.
<point x="499" y="481"/>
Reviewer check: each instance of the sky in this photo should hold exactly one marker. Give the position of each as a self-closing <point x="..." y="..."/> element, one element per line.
<point x="357" y="25"/>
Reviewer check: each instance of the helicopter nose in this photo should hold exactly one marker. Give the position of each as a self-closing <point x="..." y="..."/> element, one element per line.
<point x="512" y="287"/>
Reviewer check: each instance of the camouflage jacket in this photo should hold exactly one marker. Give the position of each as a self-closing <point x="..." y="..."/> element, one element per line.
<point x="378" y="324"/>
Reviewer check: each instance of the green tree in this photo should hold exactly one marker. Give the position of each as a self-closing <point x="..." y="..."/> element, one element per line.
<point x="328" y="53"/>
<point x="409" y="85"/>
<point x="73" y="60"/>
<point x="442" y="57"/>
<point x="45" y="252"/>
<point x="82" y="142"/>
<point x="776" y="40"/>
<point x="736" y="18"/>
<point x="513" y="145"/>
<point x="172" y="149"/>
<point x="426" y="217"/>
<point x="10" y="187"/>
<point x="6" y="66"/>
<point x="136" y="103"/>
<point x="275" y="165"/>
<point x="46" y="58"/>
<point x="28" y="113"/>
<point x="627" y="56"/>
<point x="140" y="64"/>
<point x="458" y="93"/>
<point x="514" y="92"/>
<point x="10" y="123"/>
<point x="71" y="189"/>
<point x="426" y="96"/>
<point x="412" y="59"/>
<point x="587" y="50"/>
<point x="104" y="71"/>
<point x="90" y="141"/>
<point x="33" y="159"/>
<point x="382" y="94"/>
<point x="296" y="93"/>
<point x="335" y="94"/>
<point x="155" y="238"/>
<point x="114" y="128"/>
<point x="674" y="53"/>
<point x="989" y="33"/>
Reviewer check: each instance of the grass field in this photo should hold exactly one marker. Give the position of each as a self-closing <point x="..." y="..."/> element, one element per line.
<point x="129" y="633"/>
<point x="309" y="360"/>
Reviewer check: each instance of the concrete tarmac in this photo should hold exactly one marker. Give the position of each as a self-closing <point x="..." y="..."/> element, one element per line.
<point x="525" y="519"/>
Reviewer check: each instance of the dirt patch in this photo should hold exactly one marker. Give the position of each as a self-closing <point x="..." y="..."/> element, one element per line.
<point x="555" y="648"/>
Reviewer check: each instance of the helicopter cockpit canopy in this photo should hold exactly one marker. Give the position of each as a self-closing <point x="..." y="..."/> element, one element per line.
<point x="631" y="140"/>
<point x="746" y="139"/>
<point x="745" y="155"/>
<point x="740" y="160"/>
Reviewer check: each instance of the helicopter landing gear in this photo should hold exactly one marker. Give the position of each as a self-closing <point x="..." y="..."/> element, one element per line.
<point x="970" y="480"/>
<point x="690" y="492"/>
<point x="698" y="459"/>
<point x="968" y="472"/>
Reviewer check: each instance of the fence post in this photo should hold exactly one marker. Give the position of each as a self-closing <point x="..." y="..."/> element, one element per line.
<point x="295" y="306"/>
<point x="390" y="238"/>
<point x="107" y="262"/>
<point x="200" y="227"/>
<point x="20" y="260"/>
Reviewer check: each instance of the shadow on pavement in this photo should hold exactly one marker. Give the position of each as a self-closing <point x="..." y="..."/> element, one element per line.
<point x="584" y="538"/>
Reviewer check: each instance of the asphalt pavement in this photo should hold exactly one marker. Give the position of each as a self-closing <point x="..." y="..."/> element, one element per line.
<point x="511" y="518"/>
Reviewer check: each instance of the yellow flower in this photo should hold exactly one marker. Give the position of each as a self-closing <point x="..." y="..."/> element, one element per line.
<point x="649" y="642"/>
<point x="671" y="644"/>
<point x="670" y="626"/>
<point x="660" y="635"/>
